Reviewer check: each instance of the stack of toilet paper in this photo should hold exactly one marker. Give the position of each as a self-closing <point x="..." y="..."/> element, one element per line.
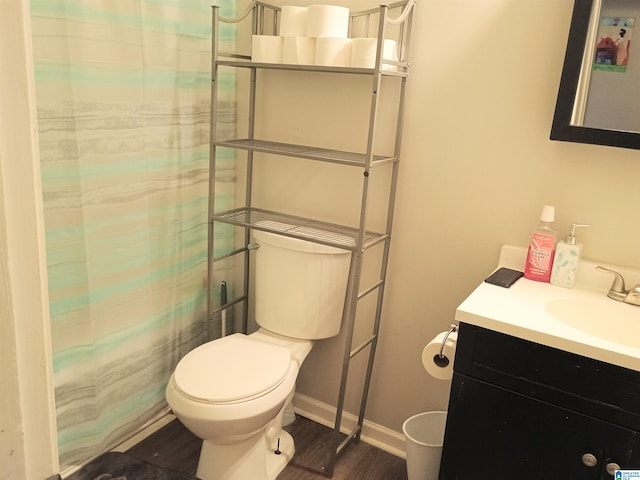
<point x="318" y="35"/>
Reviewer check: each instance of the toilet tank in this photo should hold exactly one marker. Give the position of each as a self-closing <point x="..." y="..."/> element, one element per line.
<point x="300" y="286"/>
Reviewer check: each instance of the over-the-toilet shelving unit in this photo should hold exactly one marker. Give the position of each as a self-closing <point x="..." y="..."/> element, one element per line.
<point x="355" y="238"/>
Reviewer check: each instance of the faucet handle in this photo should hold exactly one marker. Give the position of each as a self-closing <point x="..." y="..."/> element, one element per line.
<point x="617" y="291"/>
<point x="633" y="296"/>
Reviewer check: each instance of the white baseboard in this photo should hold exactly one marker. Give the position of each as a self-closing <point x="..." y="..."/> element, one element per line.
<point x="372" y="433"/>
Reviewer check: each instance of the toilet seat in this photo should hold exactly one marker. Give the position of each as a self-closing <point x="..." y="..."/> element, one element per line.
<point x="233" y="369"/>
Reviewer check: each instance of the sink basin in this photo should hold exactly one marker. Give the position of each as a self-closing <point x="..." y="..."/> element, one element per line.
<point x="601" y="317"/>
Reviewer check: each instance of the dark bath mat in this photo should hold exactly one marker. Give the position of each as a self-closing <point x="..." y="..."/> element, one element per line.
<point x="120" y="466"/>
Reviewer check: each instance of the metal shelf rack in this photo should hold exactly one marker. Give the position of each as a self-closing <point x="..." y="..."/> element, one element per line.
<point x="355" y="238"/>
<point x="302" y="151"/>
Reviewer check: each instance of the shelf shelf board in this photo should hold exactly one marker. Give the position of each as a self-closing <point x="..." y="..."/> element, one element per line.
<point x="302" y="151"/>
<point x="338" y="236"/>
<point x="247" y="63"/>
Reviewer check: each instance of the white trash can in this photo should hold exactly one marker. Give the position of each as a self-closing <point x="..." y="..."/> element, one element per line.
<point x="424" y="435"/>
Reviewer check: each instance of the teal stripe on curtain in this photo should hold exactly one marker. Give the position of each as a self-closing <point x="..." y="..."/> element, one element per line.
<point x="123" y="95"/>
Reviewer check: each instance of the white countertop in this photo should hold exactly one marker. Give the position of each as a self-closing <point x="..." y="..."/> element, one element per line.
<point x="521" y="311"/>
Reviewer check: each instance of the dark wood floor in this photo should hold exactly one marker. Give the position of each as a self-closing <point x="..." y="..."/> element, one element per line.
<point x="175" y="448"/>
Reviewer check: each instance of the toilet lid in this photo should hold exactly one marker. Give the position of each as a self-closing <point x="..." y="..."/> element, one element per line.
<point x="232" y="368"/>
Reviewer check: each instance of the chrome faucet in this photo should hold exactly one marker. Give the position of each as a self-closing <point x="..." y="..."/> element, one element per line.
<point x="618" y="291"/>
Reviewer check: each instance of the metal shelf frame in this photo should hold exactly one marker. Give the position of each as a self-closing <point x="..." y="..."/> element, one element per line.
<point x="355" y="238"/>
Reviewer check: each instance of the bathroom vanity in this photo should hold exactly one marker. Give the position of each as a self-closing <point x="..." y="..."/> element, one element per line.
<point x="539" y="394"/>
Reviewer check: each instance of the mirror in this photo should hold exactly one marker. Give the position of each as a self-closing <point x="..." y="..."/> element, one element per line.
<point x="598" y="99"/>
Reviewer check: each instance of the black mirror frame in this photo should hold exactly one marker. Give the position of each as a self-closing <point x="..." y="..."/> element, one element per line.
<point x="561" y="128"/>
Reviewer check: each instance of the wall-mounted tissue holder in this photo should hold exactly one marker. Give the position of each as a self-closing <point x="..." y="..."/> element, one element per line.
<point x="441" y="359"/>
<point x="439" y="353"/>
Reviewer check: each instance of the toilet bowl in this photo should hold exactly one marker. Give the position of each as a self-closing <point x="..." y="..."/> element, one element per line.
<point x="232" y="392"/>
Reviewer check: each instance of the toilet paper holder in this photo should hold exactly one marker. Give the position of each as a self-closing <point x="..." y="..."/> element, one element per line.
<point x="440" y="359"/>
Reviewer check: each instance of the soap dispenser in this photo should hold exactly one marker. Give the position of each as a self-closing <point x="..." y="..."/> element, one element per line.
<point x="542" y="247"/>
<point x="565" y="263"/>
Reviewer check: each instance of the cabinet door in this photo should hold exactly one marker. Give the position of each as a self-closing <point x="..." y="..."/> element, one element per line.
<point x="496" y="434"/>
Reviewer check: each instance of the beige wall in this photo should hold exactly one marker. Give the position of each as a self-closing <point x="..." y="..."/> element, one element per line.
<point x="477" y="167"/>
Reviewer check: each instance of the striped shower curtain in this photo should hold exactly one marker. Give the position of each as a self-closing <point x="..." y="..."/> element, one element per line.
<point x="123" y="114"/>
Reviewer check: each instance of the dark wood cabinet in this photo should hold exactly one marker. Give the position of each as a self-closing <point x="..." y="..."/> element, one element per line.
<point x="520" y="410"/>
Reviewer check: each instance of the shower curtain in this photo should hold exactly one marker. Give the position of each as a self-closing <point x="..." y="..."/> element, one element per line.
<point x="123" y="115"/>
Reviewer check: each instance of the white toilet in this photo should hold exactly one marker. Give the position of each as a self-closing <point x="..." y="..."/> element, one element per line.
<point x="232" y="392"/>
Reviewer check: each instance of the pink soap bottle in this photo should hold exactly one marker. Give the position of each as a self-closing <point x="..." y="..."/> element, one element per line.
<point x="542" y="248"/>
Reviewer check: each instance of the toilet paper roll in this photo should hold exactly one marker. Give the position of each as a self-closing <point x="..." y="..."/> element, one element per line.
<point x="298" y="50"/>
<point x="332" y="52"/>
<point x="266" y="49"/>
<point x="363" y="52"/>
<point x="433" y="365"/>
<point x="327" y="21"/>
<point x="390" y="52"/>
<point x="293" y="21"/>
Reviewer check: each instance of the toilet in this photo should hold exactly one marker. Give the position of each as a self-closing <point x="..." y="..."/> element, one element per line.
<point x="232" y="392"/>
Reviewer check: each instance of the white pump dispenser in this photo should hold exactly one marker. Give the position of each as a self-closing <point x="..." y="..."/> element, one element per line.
<point x="567" y="258"/>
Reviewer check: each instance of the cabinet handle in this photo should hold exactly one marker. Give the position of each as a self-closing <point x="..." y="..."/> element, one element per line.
<point x="612" y="467"/>
<point x="589" y="459"/>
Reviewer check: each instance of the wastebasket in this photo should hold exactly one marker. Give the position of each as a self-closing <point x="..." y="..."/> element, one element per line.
<point x="424" y="435"/>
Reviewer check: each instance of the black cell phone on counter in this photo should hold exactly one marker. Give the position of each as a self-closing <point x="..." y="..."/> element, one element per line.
<point x="504" y="277"/>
